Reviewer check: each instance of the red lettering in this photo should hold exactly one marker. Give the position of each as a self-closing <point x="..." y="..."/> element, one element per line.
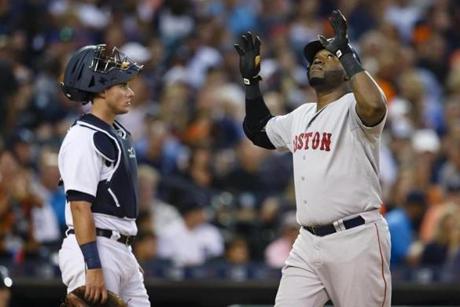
<point x="315" y="141"/>
<point x="307" y="139"/>
<point x="326" y="141"/>
<point x="300" y="141"/>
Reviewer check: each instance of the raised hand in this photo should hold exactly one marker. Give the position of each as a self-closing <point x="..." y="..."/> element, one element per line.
<point x="248" y="49"/>
<point x="338" y="45"/>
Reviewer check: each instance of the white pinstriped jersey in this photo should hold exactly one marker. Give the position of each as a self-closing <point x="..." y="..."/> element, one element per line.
<point x="336" y="160"/>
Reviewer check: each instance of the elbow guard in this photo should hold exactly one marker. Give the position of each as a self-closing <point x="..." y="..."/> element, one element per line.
<point x="257" y="133"/>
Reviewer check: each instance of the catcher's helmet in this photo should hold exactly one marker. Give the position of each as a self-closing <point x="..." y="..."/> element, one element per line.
<point x="93" y="68"/>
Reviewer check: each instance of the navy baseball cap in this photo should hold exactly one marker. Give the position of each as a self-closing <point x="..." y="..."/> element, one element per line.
<point x="311" y="49"/>
<point x="190" y="200"/>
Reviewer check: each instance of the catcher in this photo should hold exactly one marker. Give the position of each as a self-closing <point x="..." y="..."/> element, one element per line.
<point x="97" y="163"/>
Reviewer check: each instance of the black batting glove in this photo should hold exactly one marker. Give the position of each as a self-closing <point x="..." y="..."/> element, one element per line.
<point x="249" y="51"/>
<point x="339" y="44"/>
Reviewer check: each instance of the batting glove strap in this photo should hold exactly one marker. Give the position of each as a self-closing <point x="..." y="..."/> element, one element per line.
<point x="251" y="81"/>
<point x="343" y="50"/>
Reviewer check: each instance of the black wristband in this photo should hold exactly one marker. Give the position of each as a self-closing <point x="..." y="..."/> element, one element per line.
<point x="351" y="64"/>
<point x="252" y="91"/>
<point x="73" y="195"/>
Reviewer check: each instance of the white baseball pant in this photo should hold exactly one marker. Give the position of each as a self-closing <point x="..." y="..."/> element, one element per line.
<point x="350" y="267"/>
<point x="122" y="273"/>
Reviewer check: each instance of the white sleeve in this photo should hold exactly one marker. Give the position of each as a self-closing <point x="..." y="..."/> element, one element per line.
<point x="278" y="130"/>
<point x="79" y="164"/>
<point x="372" y="132"/>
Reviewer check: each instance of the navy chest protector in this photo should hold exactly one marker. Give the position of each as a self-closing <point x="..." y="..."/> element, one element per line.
<point x="118" y="194"/>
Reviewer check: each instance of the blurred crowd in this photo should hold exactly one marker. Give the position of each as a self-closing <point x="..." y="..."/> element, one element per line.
<point x="211" y="203"/>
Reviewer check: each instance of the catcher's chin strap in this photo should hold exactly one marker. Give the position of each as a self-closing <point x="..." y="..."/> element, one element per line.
<point x="76" y="298"/>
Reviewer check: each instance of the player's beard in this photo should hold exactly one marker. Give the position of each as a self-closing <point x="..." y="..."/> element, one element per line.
<point x="331" y="79"/>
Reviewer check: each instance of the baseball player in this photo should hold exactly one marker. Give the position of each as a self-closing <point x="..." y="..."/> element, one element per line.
<point x="342" y="250"/>
<point x="98" y="167"/>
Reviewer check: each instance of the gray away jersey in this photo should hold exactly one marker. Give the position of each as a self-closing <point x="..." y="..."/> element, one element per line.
<point x="336" y="160"/>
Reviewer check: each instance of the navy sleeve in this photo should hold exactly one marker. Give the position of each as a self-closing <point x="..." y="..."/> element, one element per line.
<point x="73" y="195"/>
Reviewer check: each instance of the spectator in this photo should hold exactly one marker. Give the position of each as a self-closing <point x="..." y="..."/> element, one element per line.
<point x="278" y="251"/>
<point x="245" y="177"/>
<point x="159" y="148"/>
<point x="45" y="106"/>
<point x="160" y="214"/>
<point x="22" y="145"/>
<point x="8" y="88"/>
<point x="236" y="264"/>
<point x="403" y="15"/>
<point x="436" y="211"/>
<point x="403" y="224"/>
<point x="49" y="218"/>
<point x="437" y="252"/>
<point x="19" y="201"/>
<point x="191" y="240"/>
<point x="237" y="252"/>
<point x="145" y="247"/>
<point x="453" y="266"/>
<point x="449" y="176"/>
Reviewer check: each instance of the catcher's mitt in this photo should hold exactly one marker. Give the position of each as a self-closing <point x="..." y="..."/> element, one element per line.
<point x="76" y="298"/>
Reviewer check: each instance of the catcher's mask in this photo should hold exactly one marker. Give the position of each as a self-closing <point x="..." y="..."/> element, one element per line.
<point x="93" y="68"/>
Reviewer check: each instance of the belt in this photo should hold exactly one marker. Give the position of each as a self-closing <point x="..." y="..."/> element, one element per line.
<point x="324" y="230"/>
<point x="127" y="240"/>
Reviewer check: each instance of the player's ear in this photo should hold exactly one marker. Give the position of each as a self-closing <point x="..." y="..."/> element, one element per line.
<point x="102" y="94"/>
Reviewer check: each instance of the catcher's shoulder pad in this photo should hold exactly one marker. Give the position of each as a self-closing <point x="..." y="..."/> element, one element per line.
<point x="105" y="146"/>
